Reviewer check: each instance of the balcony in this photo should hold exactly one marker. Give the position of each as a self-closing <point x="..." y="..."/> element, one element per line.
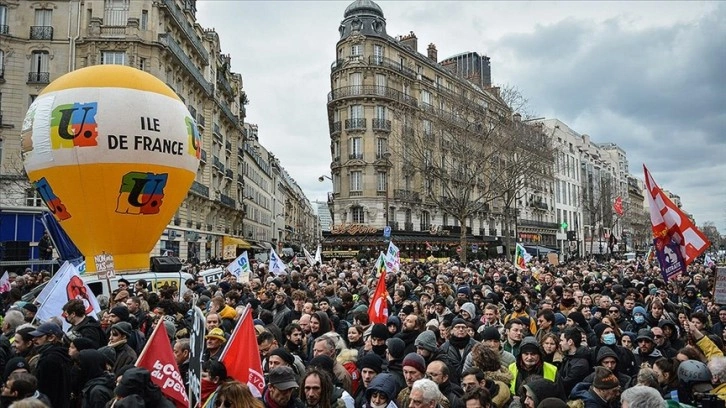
<point x="204" y="156"/>
<point x="408" y="226"/>
<point x="217" y="164"/>
<point x="355" y="156"/>
<point x="201" y="121"/>
<point x="240" y="179"/>
<point x="181" y="21"/>
<point x="41" y="32"/>
<point x="228" y="112"/>
<point x="372" y="91"/>
<point x="240" y="152"/>
<point x="38" y="77"/>
<point x="185" y="60"/>
<point x="228" y="147"/>
<point x="199" y="189"/>
<point x="406" y="195"/>
<point x="4" y="29"/>
<point x="539" y="224"/>
<point x="335" y="128"/>
<point x="379" y="61"/>
<point x="336" y="65"/>
<point x="229" y="174"/>
<point x="224" y="84"/>
<point x="355" y="124"/>
<point x="227" y="201"/>
<point x="193" y="112"/>
<point x="216" y="132"/>
<point x="381" y="124"/>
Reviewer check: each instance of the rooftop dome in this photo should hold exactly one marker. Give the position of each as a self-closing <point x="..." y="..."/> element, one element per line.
<point x="363" y="7"/>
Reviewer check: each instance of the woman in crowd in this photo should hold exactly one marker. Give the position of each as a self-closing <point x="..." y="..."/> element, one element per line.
<point x="551" y="346"/>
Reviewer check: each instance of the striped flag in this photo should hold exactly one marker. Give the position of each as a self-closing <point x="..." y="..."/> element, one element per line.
<point x="521" y="257"/>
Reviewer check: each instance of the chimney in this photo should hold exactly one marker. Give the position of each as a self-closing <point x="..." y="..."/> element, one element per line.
<point x="410" y="41"/>
<point x="433" y="53"/>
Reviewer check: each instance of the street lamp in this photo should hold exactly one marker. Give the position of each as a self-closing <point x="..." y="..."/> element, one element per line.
<point x="323" y="177"/>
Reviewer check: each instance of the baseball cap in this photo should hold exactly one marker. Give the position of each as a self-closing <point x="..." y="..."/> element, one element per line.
<point x="47" y="328"/>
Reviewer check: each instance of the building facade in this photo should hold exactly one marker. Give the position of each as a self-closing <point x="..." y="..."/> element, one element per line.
<point x="41" y="41"/>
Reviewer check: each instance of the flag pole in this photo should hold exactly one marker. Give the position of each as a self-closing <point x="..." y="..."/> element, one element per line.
<point x="149" y="341"/>
<point x="236" y="329"/>
<point x="35" y="318"/>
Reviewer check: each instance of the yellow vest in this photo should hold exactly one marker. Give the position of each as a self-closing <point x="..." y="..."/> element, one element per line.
<point x="549" y="372"/>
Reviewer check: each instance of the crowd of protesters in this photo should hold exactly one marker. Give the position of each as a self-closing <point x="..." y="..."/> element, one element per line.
<point x="481" y="334"/>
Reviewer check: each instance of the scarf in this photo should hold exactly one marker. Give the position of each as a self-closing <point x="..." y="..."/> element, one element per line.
<point x="268" y="400"/>
<point x="459" y="342"/>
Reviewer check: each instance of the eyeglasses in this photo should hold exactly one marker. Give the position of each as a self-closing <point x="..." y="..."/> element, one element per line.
<point x="222" y="402"/>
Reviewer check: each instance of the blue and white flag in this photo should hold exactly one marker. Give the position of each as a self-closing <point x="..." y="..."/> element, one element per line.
<point x="240" y="268"/>
<point x="393" y="258"/>
<point x="277" y="267"/>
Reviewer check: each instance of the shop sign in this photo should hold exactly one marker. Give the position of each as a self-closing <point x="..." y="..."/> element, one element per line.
<point x="353" y="229"/>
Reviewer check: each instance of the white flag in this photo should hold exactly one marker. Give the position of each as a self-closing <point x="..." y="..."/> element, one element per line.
<point x="319" y="255"/>
<point x="277" y="267"/>
<point x="308" y="257"/>
<point x="393" y="258"/>
<point x="240" y="268"/>
<point x="5" y="283"/>
<point x="65" y="269"/>
<point x="69" y="286"/>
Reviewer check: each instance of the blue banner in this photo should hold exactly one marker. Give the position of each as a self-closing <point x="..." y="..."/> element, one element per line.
<point x="670" y="258"/>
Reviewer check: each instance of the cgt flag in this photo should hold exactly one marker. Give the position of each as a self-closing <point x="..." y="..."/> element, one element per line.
<point x="65" y="285"/>
<point x="241" y="356"/>
<point x="158" y="357"/>
<point x="378" y="309"/>
<point x="671" y="224"/>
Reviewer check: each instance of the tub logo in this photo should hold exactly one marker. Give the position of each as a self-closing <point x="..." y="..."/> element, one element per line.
<point x="195" y="139"/>
<point x="141" y="193"/>
<point x="54" y="203"/>
<point x="74" y="125"/>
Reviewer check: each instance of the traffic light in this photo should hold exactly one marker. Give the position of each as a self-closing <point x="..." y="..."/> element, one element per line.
<point x="571" y="236"/>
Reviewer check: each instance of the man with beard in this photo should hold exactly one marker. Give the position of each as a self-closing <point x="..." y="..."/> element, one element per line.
<point x="604" y="391"/>
<point x="24" y="347"/>
<point x="692" y="300"/>
<point x="567" y="302"/>
<point x="54" y="365"/>
<point x="427" y="347"/>
<point x="520" y="311"/>
<point x="280" y="309"/>
<point x="294" y="340"/>
<point x="577" y="358"/>
<point x="646" y="351"/>
<point x="442" y="312"/>
<point x="412" y="327"/>
<point x="457" y="348"/>
<point x="280" y="389"/>
<point x="74" y="312"/>
<point x="530" y="361"/>
<point x="508" y="298"/>
<point x="414" y="369"/>
<point x="545" y="323"/>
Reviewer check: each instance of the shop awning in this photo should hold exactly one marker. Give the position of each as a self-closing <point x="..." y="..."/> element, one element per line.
<point x="230" y="246"/>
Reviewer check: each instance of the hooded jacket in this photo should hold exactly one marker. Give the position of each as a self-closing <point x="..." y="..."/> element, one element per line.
<point x="97" y="384"/>
<point x="604" y="352"/>
<point x="546" y="370"/>
<point x="137" y="382"/>
<point x="385" y="384"/>
<point x="583" y="392"/>
<point x="91" y="329"/>
<point x="53" y="373"/>
<point x="543" y="388"/>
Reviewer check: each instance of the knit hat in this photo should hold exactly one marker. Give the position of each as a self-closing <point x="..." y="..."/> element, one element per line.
<point x="122" y="312"/>
<point x="396" y="347"/>
<point x="109" y="354"/>
<point x="491" y="333"/>
<point x="416" y="361"/>
<point x="84" y="343"/>
<point x="459" y="320"/>
<point x="324" y="362"/>
<point x="380" y="331"/>
<point x="552" y="403"/>
<point x="426" y="340"/>
<point x="468" y="307"/>
<point x="407" y="310"/>
<point x="639" y="309"/>
<point x="124" y="328"/>
<point x="15" y="363"/>
<point x="560" y="319"/>
<point x="542" y="388"/>
<point x="578" y="318"/>
<point x="370" y="361"/>
<point x="529" y="343"/>
<point x="605" y="379"/>
<point x="464" y="290"/>
<point x="284" y="355"/>
<point x="600" y="328"/>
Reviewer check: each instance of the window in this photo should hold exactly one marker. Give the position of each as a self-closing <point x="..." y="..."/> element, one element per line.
<point x="32" y="198"/>
<point x="335" y="149"/>
<point x="142" y="63"/>
<point x="426" y="97"/>
<point x="377" y="53"/>
<point x="3" y="19"/>
<point x="356" y="52"/>
<point x="381" y="181"/>
<point x="43" y="17"/>
<point x="144" y="19"/>
<point x="356" y="181"/>
<point x="355" y="80"/>
<point x="116" y="12"/>
<point x="39" y="67"/>
<point x="356" y="148"/>
<point x="2" y="64"/>
<point x="425" y="220"/>
<point x="381" y="147"/>
<point x="428" y="129"/>
<point x="358" y="215"/>
<point x="445" y="220"/>
<point x="43" y="26"/>
<point x="113" y="57"/>
<point x="380" y="84"/>
<point x="380" y="112"/>
<point x="356" y="111"/>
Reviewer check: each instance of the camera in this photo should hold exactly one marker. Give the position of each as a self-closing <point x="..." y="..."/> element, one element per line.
<point x="706" y="400"/>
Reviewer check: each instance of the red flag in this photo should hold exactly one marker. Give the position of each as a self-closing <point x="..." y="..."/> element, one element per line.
<point x="618" y="206"/>
<point x="378" y="309"/>
<point x="241" y="356"/>
<point x="671" y="224"/>
<point x="158" y="357"/>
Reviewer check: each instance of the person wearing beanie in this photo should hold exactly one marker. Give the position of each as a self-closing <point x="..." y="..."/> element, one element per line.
<point x="538" y="390"/>
<point x="377" y="340"/>
<point x="78" y="344"/>
<point x="457" y="348"/>
<point x="369" y="365"/>
<point x="396" y="351"/>
<point x="414" y="369"/>
<point x="604" y="391"/>
<point x="578" y="319"/>
<point x="640" y="320"/>
<point x="609" y="359"/>
<point x="441" y="310"/>
<point x="427" y="346"/>
<point x="118" y="340"/>
<point x="118" y="314"/>
<point x="530" y="361"/>
<point x="491" y="338"/>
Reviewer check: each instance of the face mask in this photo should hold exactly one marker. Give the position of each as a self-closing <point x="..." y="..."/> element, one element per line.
<point x="609" y="339"/>
<point x="640" y="319"/>
<point x="380" y="350"/>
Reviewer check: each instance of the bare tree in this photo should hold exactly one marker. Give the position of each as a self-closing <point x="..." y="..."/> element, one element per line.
<point x="710" y="230"/>
<point x="637" y="219"/>
<point x="598" y="207"/>
<point x="14" y="182"/>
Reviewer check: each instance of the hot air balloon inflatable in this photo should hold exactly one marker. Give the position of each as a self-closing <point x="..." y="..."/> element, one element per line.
<point x="112" y="151"/>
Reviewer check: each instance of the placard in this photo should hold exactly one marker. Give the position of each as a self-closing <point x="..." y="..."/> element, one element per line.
<point x="719" y="295"/>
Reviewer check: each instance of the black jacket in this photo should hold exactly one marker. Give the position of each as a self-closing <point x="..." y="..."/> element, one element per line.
<point x="96" y="384"/>
<point x="53" y="373"/>
<point x="91" y="329"/>
<point x="574" y="368"/>
<point x="455" y="360"/>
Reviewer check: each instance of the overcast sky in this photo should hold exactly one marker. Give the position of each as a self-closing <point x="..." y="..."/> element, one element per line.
<point x="648" y="76"/>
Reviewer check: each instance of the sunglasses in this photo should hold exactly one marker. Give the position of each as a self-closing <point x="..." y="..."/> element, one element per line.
<point x="225" y="403"/>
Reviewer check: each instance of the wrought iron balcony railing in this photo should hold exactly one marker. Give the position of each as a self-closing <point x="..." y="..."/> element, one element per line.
<point x="406" y="195"/>
<point x="375" y="91"/>
<point x="4" y="29"/>
<point x="199" y="189"/>
<point x="185" y="61"/>
<point x="381" y="124"/>
<point x="38" y="77"/>
<point x="355" y="156"/>
<point x="335" y="128"/>
<point x="380" y="61"/>
<point x="41" y="32"/>
<point x="227" y="201"/>
<point x="358" y="123"/>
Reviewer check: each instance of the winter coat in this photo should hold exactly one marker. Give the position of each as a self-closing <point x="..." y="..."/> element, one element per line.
<point x="626" y="360"/>
<point x="91" y="329"/>
<point x="455" y="359"/>
<point x="604" y="352"/>
<point x="583" y="392"/>
<point x="395" y="370"/>
<point x="53" y="373"/>
<point x="137" y="382"/>
<point x="574" y="368"/>
<point x="385" y="384"/>
<point x="650" y="358"/>
<point x="96" y="384"/>
<point x="125" y="355"/>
